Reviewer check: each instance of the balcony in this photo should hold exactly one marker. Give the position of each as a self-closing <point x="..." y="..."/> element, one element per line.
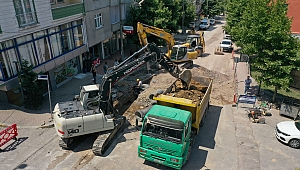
<point x="62" y="10"/>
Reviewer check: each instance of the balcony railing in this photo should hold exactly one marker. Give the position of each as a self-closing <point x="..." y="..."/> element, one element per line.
<point x="66" y="11"/>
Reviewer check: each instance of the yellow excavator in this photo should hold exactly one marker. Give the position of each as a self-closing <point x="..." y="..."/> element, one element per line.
<point x="177" y="53"/>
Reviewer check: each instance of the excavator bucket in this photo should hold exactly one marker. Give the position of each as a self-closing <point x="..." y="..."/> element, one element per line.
<point x="186" y="78"/>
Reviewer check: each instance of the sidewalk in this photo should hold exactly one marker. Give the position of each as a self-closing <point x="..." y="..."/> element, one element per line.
<point x="11" y="114"/>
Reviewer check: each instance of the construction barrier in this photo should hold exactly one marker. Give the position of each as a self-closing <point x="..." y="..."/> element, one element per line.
<point x="7" y="134"/>
<point x="234" y="98"/>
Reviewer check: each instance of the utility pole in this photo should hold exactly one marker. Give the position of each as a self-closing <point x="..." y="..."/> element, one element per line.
<point x="207" y="8"/>
<point x="121" y="32"/>
<point x="183" y="12"/>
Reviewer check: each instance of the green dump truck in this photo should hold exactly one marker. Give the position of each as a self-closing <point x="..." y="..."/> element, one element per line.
<point x="169" y="127"/>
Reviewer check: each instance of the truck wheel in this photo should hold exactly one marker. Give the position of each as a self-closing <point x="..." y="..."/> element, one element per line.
<point x="188" y="156"/>
<point x="200" y="52"/>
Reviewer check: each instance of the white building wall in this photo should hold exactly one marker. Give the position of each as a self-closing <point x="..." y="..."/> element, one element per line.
<point x="9" y="23"/>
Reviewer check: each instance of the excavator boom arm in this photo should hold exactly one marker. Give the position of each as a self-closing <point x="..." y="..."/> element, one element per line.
<point x="113" y="75"/>
<point x="143" y="29"/>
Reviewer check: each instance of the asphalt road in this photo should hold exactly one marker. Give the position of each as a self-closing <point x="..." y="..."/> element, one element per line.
<point x="228" y="140"/>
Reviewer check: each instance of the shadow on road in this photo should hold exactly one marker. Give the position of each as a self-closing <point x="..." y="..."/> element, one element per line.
<point x="14" y="145"/>
<point x="205" y="139"/>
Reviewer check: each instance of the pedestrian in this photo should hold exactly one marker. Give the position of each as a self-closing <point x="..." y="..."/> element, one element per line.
<point x="138" y="87"/>
<point x="131" y="52"/>
<point x="105" y="67"/>
<point x="94" y="72"/>
<point x="116" y="62"/>
<point x="248" y="82"/>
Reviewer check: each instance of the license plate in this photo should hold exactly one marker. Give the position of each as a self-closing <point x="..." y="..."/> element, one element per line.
<point x="158" y="161"/>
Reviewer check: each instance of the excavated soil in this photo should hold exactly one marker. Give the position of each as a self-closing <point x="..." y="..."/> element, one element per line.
<point x="195" y="92"/>
<point x="127" y="104"/>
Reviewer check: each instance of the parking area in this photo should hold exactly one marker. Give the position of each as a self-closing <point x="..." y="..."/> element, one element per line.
<point x="241" y="144"/>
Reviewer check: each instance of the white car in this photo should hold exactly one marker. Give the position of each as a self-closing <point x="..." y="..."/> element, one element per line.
<point x="192" y="25"/>
<point x="226" y="45"/>
<point x="227" y="36"/>
<point x="204" y="25"/>
<point x="212" y="21"/>
<point x="289" y="132"/>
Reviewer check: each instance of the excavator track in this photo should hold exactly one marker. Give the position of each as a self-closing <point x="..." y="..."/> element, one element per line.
<point x="69" y="143"/>
<point x="103" y="141"/>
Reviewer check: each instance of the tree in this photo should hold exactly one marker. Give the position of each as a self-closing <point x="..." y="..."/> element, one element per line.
<point x="164" y="14"/>
<point x="32" y="89"/>
<point x="210" y="8"/>
<point x="264" y="30"/>
<point x="234" y="12"/>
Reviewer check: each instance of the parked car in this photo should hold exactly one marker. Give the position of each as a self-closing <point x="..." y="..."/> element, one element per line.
<point x="192" y="25"/>
<point x="226" y="45"/>
<point x="204" y="25"/>
<point x="288" y="132"/>
<point x="212" y="21"/>
<point x="227" y="36"/>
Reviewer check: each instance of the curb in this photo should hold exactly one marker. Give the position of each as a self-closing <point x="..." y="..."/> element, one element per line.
<point x="3" y="125"/>
<point x="47" y="126"/>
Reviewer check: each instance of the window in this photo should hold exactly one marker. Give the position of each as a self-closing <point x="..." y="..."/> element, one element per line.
<point x="52" y="1"/>
<point x="98" y="20"/>
<point x="114" y="14"/>
<point x="25" y="12"/>
<point x="8" y="60"/>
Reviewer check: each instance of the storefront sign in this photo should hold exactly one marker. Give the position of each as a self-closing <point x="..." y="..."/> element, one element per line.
<point x="128" y="29"/>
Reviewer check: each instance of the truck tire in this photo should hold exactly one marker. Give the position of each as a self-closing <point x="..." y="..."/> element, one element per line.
<point x="200" y="52"/>
<point x="188" y="155"/>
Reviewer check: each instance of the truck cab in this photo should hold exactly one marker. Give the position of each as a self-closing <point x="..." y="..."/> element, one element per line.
<point x="166" y="136"/>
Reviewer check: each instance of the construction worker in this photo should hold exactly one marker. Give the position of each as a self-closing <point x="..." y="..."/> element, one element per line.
<point x="248" y="82"/>
<point x="138" y="87"/>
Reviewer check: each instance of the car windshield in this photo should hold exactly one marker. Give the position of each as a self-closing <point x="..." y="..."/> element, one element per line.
<point x="226" y="42"/>
<point x="297" y="124"/>
<point x="160" y="132"/>
<point x="203" y="23"/>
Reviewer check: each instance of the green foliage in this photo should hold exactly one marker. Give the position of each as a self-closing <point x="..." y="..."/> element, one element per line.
<point x="213" y="7"/>
<point x="32" y="89"/>
<point x="262" y="28"/>
<point x="164" y="14"/>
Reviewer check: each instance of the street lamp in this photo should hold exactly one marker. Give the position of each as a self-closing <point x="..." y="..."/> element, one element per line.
<point x="183" y="12"/>
<point x="207" y="8"/>
<point x="45" y="77"/>
<point x="121" y="32"/>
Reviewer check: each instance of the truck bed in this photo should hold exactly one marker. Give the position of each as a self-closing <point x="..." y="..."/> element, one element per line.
<point x="195" y="100"/>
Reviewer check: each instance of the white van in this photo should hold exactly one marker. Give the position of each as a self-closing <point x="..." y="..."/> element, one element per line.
<point x="204" y="25"/>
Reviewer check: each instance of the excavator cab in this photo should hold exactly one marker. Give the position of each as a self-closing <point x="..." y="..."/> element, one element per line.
<point x="178" y="52"/>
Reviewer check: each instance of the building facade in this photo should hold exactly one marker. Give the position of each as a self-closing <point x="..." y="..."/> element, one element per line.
<point x="56" y="37"/>
<point x="293" y="12"/>
<point x="103" y="28"/>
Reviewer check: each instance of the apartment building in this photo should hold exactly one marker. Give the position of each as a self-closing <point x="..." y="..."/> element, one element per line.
<point x="102" y="20"/>
<point x="56" y="37"/>
<point x="293" y="12"/>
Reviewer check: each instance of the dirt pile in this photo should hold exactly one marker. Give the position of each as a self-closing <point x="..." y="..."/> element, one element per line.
<point x="222" y="90"/>
<point x="195" y="93"/>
